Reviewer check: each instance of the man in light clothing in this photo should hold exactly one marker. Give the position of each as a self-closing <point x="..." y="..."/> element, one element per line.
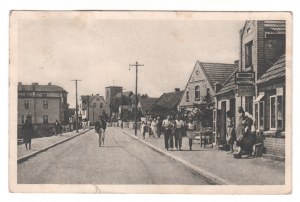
<point x="179" y="124"/>
<point x="168" y="126"/>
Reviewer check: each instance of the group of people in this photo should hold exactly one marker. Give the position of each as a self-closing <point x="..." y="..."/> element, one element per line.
<point x="242" y="134"/>
<point x="173" y="129"/>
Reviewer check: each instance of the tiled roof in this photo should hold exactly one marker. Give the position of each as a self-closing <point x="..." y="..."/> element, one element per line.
<point x="274" y="72"/>
<point x="169" y="100"/>
<point x="218" y="72"/>
<point x="275" y="26"/>
<point x="228" y="85"/>
<point x="41" y="88"/>
<point x="146" y="103"/>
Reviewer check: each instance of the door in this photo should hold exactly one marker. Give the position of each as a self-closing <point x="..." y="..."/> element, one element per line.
<point x="223" y="122"/>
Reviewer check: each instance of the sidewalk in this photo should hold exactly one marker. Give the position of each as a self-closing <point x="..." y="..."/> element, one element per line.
<point x="254" y="171"/>
<point x="40" y="144"/>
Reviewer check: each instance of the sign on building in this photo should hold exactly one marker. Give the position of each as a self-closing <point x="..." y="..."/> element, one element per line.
<point x="246" y="90"/>
<point x="244" y="78"/>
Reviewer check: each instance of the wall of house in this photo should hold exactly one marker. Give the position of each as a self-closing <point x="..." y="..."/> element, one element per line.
<point x="196" y="79"/>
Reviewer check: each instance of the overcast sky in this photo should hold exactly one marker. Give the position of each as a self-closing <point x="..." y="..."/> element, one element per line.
<point x="99" y="51"/>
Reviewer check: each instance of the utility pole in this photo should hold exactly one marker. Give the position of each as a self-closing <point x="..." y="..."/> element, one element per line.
<point x="136" y="65"/>
<point x="76" y="80"/>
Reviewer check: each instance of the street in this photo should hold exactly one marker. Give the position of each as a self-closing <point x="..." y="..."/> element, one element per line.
<point x="122" y="160"/>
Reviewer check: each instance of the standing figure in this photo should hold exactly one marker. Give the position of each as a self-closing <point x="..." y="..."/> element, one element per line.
<point x="167" y="125"/>
<point x="159" y="127"/>
<point x="99" y="130"/>
<point x="154" y="127"/>
<point x="179" y="125"/>
<point x="57" y="127"/>
<point x="191" y="132"/>
<point x="149" y="128"/>
<point x="103" y="124"/>
<point x="143" y="129"/>
<point x="230" y="134"/>
<point x="27" y="133"/>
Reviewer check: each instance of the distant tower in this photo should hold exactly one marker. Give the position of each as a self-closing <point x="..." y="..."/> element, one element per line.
<point x="112" y="91"/>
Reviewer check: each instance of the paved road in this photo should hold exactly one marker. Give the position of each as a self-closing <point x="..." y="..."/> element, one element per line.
<point x="122" y="160"/>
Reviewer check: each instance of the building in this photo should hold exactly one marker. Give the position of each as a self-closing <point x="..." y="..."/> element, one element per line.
<point x="166" y="104"/>
<point x="43" y="104"/>
<point x="259" y="83"/>
<point x="144" y="105"/>
<point x="93" y="106"/>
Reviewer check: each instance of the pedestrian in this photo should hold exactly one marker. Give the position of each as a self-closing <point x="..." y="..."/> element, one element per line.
<point x="149" y="127"/>
<point x="99" y="130"/>
<point x="191" y="132"/>
<point x="28" y="131"/>
<point x="154" y="127"/>
<point x="159" y="127"/>
<point x="167" y="125"/>
<point x="230" y="134"/>
<point x="179" y="125"/>
<point x="143" y="129"/>
<point x="103" y="124"/>
<point x="57" y="127"/>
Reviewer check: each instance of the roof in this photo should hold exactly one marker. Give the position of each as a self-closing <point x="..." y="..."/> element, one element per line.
<point x="126" y="94"/>
<point x="41" y="88"/>
<point x="274" y="72"/>
<point x="146" y="103"/>
<point x="169" y="100"/>
<point x="217" y="72"/>
<point x="229" y="84"/>
<point x="275" y="26"/>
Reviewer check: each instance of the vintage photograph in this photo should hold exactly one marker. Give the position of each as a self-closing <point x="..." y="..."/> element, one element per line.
<point x="150" y="102"/>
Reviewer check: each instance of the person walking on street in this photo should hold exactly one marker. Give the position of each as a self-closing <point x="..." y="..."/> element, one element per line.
<point x="103" y="124"/>
<point x="179" y="124"/>
<point x="27" y="130"/>
<point x="230" y="134"/>
<point x="143" y="129"/>
<point x="57" y="127"/>
<point x="167" y="125"/>
<point x="191" y="132"/>
<point x="159" y="127"/>
<point x="99" y="130"/>
<point x="154" y="127"/>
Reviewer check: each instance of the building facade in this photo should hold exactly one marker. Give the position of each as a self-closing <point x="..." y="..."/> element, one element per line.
<point x="43" y="104"/>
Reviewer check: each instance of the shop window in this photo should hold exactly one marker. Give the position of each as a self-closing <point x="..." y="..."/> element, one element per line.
<point x="276" y="112"/>
<point x="45" y="104"/>
<point x="26" y="103"/>
<point x="187" y="96"/>
<point x="248" y="54"/>
<point x="45" y="119"/>
<point x="197" y="93"/>
<point x="259" y="115"/>
<point x="249" y="104"/>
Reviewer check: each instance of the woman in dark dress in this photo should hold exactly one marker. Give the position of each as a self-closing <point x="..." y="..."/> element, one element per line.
<point x="27" y="133"/>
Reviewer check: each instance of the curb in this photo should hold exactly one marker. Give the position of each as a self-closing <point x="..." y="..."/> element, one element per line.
<point x="25" y="158"/>
<point x="214" y="178"/>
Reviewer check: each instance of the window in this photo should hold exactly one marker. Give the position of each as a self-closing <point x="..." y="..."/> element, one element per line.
<point x="276" y="112"/>
<point x="101" y="105"/>
<point x="197" y="93"/>
<point x="45" y="104"/>
<point x="259" y="115"/>
<point x="248" y="54"/>
<point x="45" y="119"/>
<point x="187" y="96"/>
<point x="44" y="95"/>
<point x="94" y="105"/>
<point x="26" y="103"/>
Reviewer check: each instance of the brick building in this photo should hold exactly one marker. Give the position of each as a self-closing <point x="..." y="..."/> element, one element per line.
<point x="42" y="103"/>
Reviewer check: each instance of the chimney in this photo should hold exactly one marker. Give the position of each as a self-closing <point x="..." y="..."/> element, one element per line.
<point x="19" y="83"/>
<point x="97" y="94"/>
<point x="49" y="84"/>
<point x="217" y="87"/>
<point x="177" y="89"/>
<point x="237" y="63"/>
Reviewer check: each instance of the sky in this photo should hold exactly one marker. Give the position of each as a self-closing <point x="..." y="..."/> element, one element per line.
<point x="98" y="51"/>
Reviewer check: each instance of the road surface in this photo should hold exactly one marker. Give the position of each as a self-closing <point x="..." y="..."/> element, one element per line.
<point x="122" y="160"/>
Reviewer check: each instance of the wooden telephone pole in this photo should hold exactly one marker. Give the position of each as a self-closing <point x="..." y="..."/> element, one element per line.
<point x="136" y="65"/>
<point x="76" y="80"/>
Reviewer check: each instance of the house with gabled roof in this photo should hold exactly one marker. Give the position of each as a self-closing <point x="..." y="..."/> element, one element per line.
<point x="144" y="105"/>
<point x="200" y="86"/>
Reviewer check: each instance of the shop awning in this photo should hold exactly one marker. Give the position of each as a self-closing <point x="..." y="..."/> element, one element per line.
<point x="258" y="98"/>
